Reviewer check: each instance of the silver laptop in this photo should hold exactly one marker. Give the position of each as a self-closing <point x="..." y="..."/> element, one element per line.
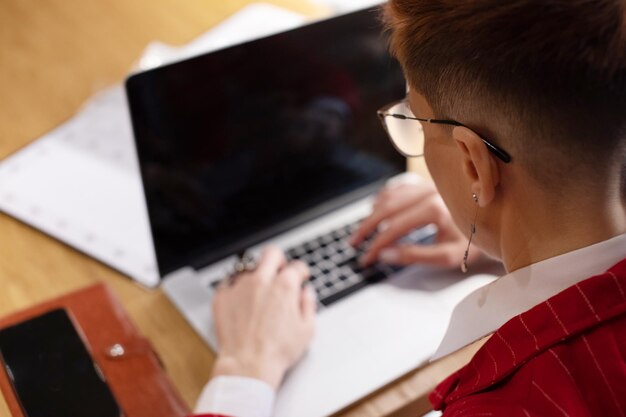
<point x="277" y="141"/>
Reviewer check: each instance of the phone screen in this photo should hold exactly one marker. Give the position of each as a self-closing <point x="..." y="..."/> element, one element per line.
<point x="51" y="370"/>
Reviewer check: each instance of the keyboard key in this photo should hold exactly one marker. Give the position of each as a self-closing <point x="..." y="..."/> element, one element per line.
<point x="339" y="234"/>
<point x="326" y="239"/>
<point x="337" y="258"/>
<point x="324" y="294"/>
<point x="354" y="278"/>
<point x="350" y="262"/>
<point x="315" y="271"/>
<point x="332" y="297"/>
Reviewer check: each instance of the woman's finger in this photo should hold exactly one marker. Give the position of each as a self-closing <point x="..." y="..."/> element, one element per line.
<point x="271" y="261"/>
<point x="293" y="275"/>
<point x="308" y="303"/>
<point x="444" y="255"/>
<point x="418" y="216"/>
<point x="399" y="199"/>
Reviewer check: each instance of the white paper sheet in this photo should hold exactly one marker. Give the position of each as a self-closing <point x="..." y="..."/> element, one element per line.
<point x="345" y="6"/>
<point x="80" y="182"/>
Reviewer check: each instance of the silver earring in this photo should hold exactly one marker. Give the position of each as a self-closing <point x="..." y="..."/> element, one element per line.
<point x="472" y="232"/>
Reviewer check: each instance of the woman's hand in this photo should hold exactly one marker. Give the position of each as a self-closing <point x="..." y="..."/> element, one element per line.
<point x="401" y="208"/>
<point x="264" y="320"/>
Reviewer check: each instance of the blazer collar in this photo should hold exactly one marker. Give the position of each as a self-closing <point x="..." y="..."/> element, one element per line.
<point x="489" y="307"/>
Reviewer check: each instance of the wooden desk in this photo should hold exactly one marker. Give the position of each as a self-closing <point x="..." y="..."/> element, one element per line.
<point x="53" y="56"/>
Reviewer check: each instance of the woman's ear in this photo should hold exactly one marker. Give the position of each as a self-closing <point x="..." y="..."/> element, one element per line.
<point x="479" y="165"/>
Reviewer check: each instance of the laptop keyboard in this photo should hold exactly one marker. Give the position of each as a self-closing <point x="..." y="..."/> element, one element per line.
<point x="334" y="265"/>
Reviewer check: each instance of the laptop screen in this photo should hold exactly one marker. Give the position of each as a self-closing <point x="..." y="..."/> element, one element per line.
<point x="240" y="144"/>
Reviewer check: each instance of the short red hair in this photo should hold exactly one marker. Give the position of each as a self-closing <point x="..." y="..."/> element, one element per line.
<point x="552" y="71"/>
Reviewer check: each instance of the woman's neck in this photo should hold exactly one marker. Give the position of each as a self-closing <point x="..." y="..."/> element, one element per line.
<point x="540" y="228"/>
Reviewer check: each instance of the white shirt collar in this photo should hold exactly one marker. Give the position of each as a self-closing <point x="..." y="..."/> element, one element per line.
<point x="488" y="308"/>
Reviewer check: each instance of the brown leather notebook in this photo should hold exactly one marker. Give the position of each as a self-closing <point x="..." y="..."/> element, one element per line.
<point x="135" y="377"/>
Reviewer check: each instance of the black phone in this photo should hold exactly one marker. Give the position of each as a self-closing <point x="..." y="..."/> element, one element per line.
<point x="51" y="370"/>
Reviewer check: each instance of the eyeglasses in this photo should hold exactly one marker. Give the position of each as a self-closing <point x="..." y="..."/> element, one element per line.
<point x="408" y="138"/>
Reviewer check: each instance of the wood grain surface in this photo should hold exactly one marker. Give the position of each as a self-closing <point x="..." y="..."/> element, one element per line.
<point x="55" y="54"/>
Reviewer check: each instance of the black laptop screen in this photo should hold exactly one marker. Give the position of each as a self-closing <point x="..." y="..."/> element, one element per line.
<point x="237" y="144"/>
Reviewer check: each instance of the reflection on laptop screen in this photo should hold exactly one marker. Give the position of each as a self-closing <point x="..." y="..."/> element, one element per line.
<point x="233" y="143"/>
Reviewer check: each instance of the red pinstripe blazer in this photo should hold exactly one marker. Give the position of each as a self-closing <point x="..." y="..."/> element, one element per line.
<point x="564" y="357"/>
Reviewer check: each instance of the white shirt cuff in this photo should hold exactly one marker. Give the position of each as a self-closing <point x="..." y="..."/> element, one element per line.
<point x="236" y="396"/>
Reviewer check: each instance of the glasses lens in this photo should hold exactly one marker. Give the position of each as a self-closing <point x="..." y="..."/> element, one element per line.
<point x="407" y="135"/>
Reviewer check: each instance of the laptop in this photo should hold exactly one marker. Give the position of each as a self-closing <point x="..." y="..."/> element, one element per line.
<point x="277" y="141"/>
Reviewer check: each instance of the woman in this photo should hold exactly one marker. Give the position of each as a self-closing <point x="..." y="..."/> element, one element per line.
<point x="518" y="109"/>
